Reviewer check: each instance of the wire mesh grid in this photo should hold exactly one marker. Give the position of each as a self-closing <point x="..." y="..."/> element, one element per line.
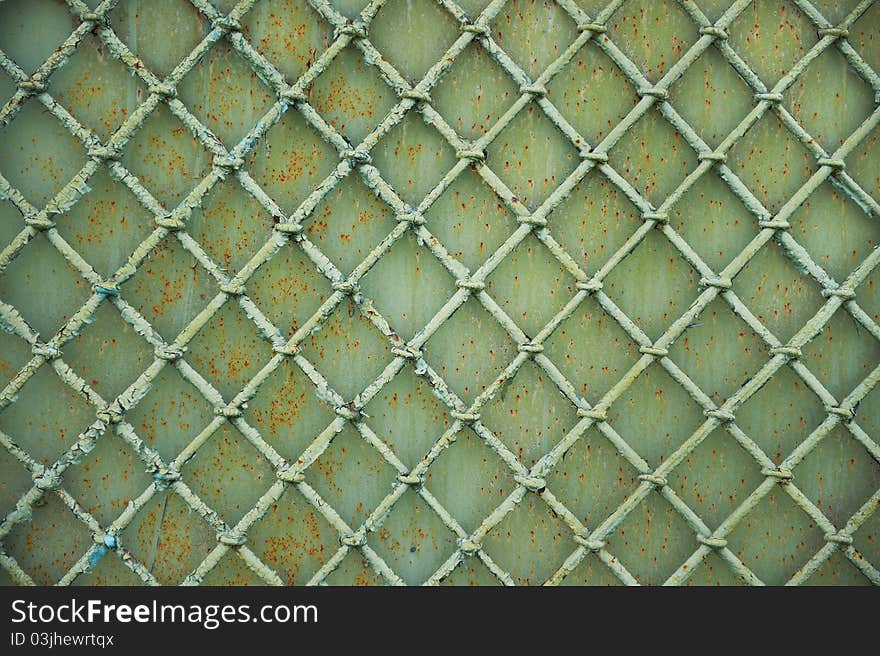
<point x="110" y="419"/>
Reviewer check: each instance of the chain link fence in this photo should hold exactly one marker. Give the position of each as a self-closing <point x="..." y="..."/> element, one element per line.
<point x="438" y="292"/>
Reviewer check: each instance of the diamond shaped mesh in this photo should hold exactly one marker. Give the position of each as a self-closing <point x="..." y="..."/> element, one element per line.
<point x="486" y="294"/>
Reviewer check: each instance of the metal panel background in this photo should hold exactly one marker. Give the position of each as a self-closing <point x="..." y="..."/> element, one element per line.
<point x="583" y="294"/>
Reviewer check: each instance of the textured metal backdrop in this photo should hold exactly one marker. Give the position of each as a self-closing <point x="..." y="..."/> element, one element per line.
<point x="423" y="291"/>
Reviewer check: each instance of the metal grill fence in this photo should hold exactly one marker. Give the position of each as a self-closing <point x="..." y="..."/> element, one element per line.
<point x="484" y="333"/>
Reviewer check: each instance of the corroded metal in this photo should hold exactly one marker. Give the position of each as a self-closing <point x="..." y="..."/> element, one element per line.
<point x="434" y="292"/>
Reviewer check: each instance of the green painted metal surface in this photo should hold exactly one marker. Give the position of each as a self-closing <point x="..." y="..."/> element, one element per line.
<point x="419" y="291"/>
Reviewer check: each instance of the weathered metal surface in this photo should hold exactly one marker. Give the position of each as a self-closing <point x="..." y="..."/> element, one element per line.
<point x="576" y="309"/>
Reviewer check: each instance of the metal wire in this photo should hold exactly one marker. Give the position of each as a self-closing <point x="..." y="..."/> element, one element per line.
<point x="354" y="160"/>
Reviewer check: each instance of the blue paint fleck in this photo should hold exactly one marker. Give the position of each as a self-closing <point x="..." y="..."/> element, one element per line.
<point x="109" y="540"/>
<point x="97" y="555"/>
